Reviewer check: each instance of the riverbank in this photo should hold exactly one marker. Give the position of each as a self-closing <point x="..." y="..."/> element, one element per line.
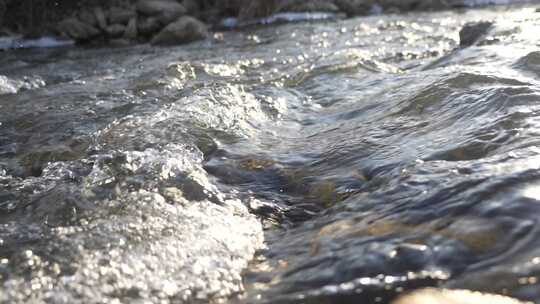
<point x="124" y="22"/>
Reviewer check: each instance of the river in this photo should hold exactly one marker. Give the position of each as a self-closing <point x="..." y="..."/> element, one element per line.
<point x="313" y="162"/>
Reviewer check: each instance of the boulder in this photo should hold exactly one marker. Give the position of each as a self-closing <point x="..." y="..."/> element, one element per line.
<point x="445" y="296"/>
<point x="116" y="30"/>
<point x="131" y="29"/>
<point x="117" y="15"/>
<point x="100" y="18"/>
<point x="472" y="32"/>
<point x="166" y="11"/>
<point x="185" y="29"/>
<point x="78" y="30"/>
<point x="147" y="26"/>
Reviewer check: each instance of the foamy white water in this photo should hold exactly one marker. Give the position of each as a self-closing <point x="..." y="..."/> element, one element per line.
<point x="18" y="42"/>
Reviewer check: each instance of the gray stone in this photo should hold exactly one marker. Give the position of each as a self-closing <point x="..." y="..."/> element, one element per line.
<point x="259" y="8"/>
<point x="354" y="7"/>
<point x="472" y="32"/>
<point x="115" y="30"/>
<point x="148" y="25"/>
<point x="3" y="9"/>
<point x="88" y="17"/>
<point x="399" y="5"/>
<point x="184" y="30"/>
<point x="77" y="30"/>
<point x="191" y="6"/>
<point x="311" y="6"/>
<point x="120" y="42"/>
<point x="120" y="15"/>
<point x="165" y="11"/>
<point x="100" y="17"/>
<point x="131" y="29"/>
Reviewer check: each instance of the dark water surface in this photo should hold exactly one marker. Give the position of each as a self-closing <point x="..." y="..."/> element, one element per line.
<point x="327" y="162"/>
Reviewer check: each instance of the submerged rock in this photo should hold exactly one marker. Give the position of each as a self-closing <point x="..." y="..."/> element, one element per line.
<point x="472" y="32"/>
<point x="78" y="30"/>
<point x="444" y="296"/>
<point x="184" y="30"/>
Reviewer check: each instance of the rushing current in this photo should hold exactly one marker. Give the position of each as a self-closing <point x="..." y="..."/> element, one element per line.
<point x="314" y="162"/>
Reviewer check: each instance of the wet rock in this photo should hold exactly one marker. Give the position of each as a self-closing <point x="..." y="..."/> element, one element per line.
<point x="210" y="15"/>
<point x="148" y="26"/>
<point x="354" y="7"/>
<point x="115" y="30"/>
<point x="228" y="7"/>
<point x="259" y="8"/>
<point x="100" y="18"/>
<point x="433" y="5"/>
<point x="402" y="5"/>
<point x="184" y="30"/>
<point x="117" y="15"/>
<point x="530" y="63"/>
<point x="120" y="42"/>
<point x="166" y="11"/>
<point x="311" y="6"/>
<point x="472" y="32"/>
<point x="77" y="30"/>
<point x="2" y="11"/>
<point x="444" y="296"/>
<point x="88" y="17"/>
<point x="192" y="7"/>
<point x="410" y="5"/>
<point x="131" y="29"/>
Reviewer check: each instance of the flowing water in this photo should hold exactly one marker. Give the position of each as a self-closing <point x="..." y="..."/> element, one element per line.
<point x="315" y="162"/>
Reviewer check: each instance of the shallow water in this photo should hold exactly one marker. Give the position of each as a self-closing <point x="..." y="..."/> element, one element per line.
<point x="338" y="161"/>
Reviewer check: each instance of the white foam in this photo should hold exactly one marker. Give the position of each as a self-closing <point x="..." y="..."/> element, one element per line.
<point x="18" y="42"/>
<point x="279" y="17"/>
